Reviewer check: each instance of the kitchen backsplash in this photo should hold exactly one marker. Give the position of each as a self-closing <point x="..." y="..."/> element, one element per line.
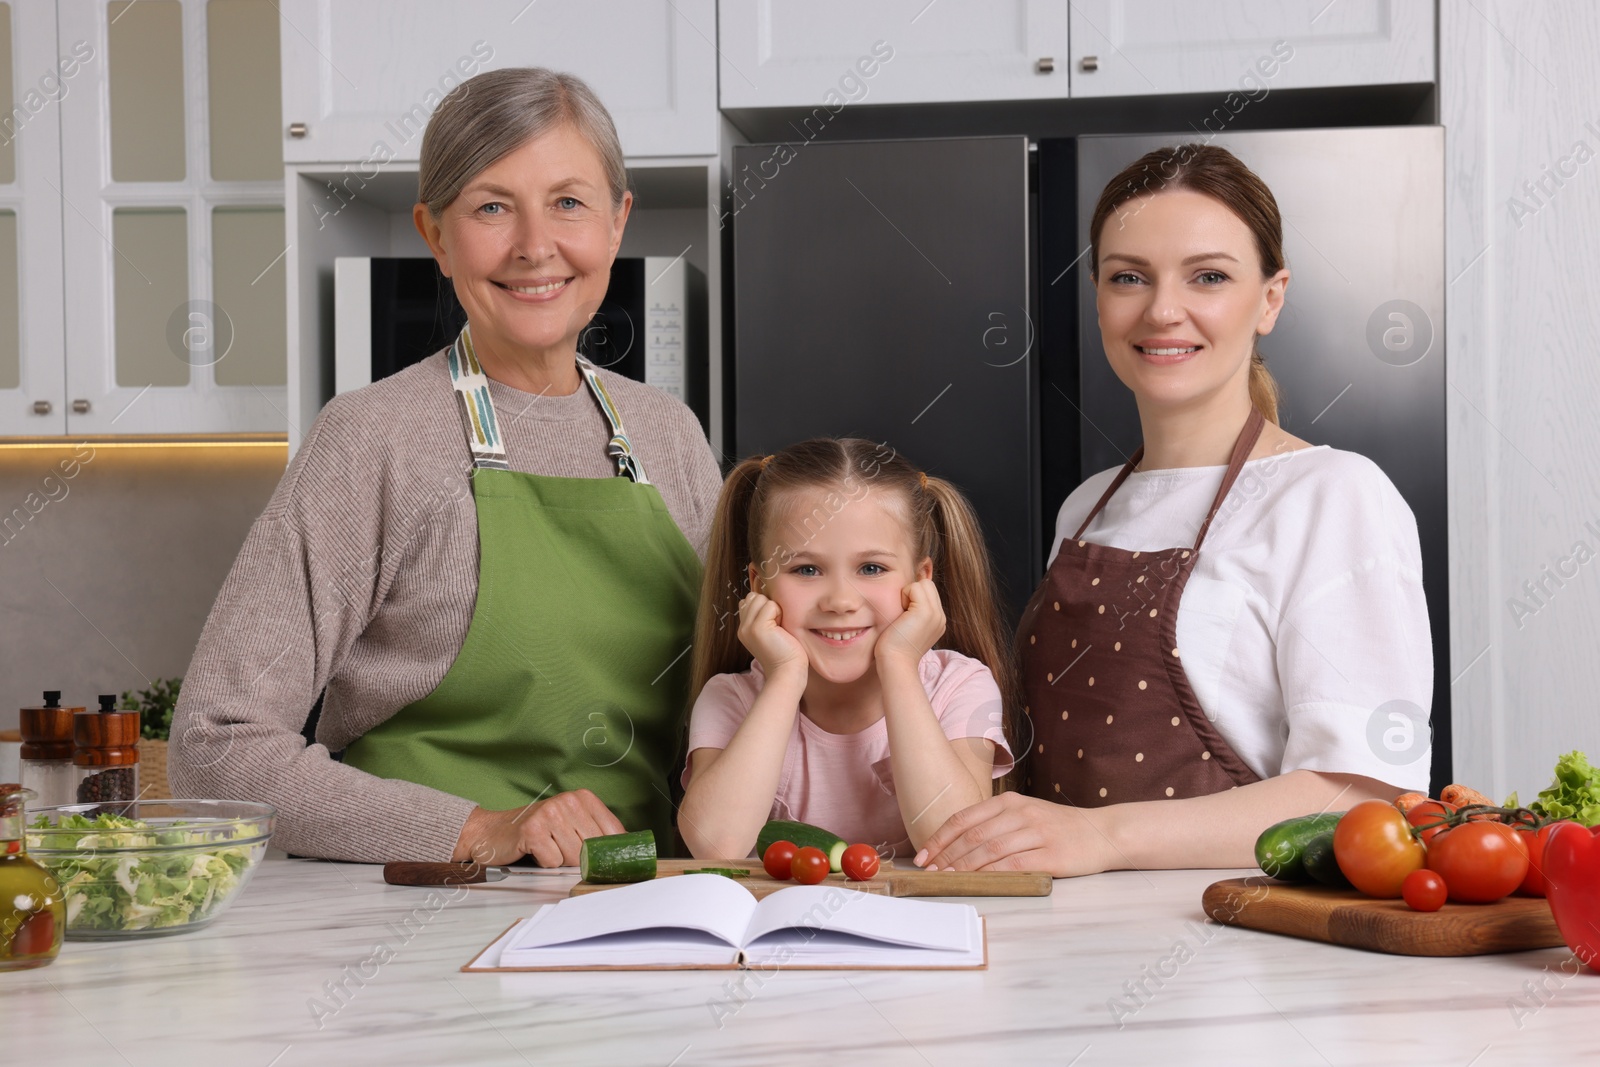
<point x="110" y="558"/>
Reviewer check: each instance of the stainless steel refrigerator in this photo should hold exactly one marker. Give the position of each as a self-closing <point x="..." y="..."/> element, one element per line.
<point x="934" y="294"/>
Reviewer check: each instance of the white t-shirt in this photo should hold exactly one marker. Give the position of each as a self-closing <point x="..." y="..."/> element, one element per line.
<point x="1304" y="621"/>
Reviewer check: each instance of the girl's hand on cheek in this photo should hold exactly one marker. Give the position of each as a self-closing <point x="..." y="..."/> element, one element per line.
<point x="776" y="649"/>
<point x="911" y="635"/>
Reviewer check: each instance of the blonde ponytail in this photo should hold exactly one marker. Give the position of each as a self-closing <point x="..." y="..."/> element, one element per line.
<point x="1263" y="387"/>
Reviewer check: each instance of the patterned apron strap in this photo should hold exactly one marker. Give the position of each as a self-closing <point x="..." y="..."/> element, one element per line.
<point x="483" y="429"/>
<point x="619" y="448"/>
<point x="477" y="409"/>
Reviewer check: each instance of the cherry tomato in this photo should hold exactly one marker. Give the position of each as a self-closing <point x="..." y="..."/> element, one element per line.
<point x="1533" y="883"/>
<point x="1375" y="849"/>
<point x="1427" y="812"/>
<point x="1480" y="861"/>
<point x="860" y="863"/>
<point x="809" y="866"/>
<point x="776" y="859"/>
<point x="1424" y="890"/>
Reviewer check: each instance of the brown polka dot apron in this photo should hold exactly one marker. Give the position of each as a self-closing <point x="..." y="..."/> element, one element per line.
<point x="1114" y="718"/>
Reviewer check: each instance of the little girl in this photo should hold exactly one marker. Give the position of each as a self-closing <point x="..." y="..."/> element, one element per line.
<point x="847" y="717"/>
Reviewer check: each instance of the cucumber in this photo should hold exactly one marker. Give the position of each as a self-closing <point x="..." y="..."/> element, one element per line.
<point x="1280" y="848"/>
<point x="618" y="858"/>
<point x="802" y="834"/>
<point x="1319" y="862"/>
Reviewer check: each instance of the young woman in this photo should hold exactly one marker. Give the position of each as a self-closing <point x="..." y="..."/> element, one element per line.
<point x="1232" y="629"/>
<point x="830" y="704"/>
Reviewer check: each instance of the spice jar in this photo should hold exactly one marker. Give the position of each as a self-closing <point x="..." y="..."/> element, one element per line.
<point x="47" y="751"/>
<point x="33" y="916"/>
<point x="106" y="754"/>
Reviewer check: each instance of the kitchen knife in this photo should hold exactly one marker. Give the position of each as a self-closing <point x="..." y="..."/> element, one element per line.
<point x="416" y="872"/>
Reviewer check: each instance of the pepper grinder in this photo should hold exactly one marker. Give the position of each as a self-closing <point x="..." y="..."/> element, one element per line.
<point x="106" y="753"/>
<point x="47" y="751"/>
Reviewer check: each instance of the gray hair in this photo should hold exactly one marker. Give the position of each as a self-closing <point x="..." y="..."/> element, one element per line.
<point x="499" y="111"/>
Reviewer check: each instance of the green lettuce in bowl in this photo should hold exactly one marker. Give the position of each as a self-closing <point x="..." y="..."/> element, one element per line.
<point x="149" y="867"/>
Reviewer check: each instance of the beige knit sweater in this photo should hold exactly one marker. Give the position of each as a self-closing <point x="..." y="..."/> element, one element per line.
<point x="361" y="577"/>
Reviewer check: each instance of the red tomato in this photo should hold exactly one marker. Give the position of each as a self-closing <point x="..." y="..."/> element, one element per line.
<point x="1480" y="861"/>
<point x="1429" y="811"/>
<point x="809" y="866"/>
<point x="1533" y="884"/>
<point x="1424" y="890"/>
<point x="1375" y="850"/>
<point x="860" y="863"/>
<point x="776" y="859"/>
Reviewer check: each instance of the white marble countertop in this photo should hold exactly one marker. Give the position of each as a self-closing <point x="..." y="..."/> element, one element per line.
<point x="1119" y="968"/>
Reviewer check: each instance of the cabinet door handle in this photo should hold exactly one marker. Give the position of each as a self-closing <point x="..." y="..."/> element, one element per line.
<point x="1089" y="64"/>
<point x="80" y="407"/>
<point x="1045" y="65"/>
<point x="42" y="407"/>
<point x="298" y="129"/>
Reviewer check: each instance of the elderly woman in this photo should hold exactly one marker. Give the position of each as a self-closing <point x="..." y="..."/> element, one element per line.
<point x="487" y="563"/>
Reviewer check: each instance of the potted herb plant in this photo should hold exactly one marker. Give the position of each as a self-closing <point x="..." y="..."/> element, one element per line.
<point x="155" y="706"/>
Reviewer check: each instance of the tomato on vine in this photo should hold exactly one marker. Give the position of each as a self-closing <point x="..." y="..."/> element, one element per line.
<point x="1479" y="861"/>
<point x="1426" y="814"/>
<point x="1375" y="848"/>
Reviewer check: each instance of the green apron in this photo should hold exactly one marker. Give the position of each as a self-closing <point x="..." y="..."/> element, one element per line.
<point x="574" y="671"/>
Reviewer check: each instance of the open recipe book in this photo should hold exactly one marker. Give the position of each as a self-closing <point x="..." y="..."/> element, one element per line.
<point x="706" y="921"/>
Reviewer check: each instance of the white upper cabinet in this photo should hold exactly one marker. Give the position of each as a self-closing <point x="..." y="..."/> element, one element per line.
<point x="361" y="77"/>
<point x="173" y="229"/>
<point x="1141" y="47"/>
<point x="34" y="77"/>
<point x="816" y="53"/>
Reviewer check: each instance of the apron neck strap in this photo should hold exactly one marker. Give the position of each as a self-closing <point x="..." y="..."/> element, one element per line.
<point x="1241" y="451"/>
<point x="483" y="429"/>
<point x="1116" y="483"/>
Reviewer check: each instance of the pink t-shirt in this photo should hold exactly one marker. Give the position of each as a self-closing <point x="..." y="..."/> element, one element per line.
<point x="843" y="782"/>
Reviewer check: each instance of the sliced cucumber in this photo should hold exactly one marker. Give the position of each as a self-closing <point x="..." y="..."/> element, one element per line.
<point x="618" y="858"/>
<point x="802" y="834"/>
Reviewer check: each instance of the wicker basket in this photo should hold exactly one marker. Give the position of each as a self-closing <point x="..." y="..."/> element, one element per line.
<point x="153" y="771"/>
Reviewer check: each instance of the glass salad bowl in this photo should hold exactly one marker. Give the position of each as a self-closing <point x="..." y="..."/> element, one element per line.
<point x="145" y="868"/>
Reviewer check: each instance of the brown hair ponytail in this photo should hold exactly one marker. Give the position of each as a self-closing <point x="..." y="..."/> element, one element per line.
<point x="717" y="649"/>
<point x="942" y="525"/>
<point x="964" y="576"/>
<point x="1215" y="172"/>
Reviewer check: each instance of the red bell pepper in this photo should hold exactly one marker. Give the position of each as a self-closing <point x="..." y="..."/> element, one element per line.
<point x="1572" y="884"/>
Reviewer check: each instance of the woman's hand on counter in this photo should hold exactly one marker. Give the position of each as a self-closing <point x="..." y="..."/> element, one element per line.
<point x="552" y="830"/>
<point x="1012" y="832"/>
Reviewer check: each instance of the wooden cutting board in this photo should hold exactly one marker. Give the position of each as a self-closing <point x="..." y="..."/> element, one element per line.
<point x="890" y="881"/>
<point x="1345" y="917"/>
